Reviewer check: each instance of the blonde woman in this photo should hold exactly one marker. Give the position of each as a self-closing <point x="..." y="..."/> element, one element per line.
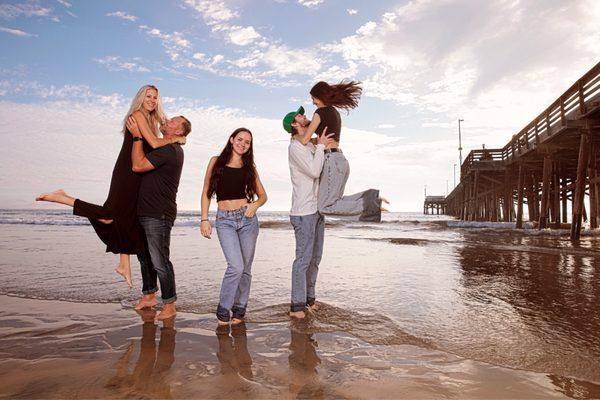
<point x="116" y="222"/>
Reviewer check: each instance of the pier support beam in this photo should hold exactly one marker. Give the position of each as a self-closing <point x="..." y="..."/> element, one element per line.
<point x="545" y="192"/>
<point x="582" y="162"/>
<point x="520" y="197"/>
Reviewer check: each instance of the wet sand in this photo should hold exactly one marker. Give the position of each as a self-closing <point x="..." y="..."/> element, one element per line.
<point x="56" y="349"/>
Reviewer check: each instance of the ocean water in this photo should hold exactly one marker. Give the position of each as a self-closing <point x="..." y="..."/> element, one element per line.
<point x="522" y="299"/>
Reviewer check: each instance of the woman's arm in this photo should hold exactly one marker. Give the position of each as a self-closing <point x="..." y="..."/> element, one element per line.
<point x="262" y="198"/>
<point x="312" y="128"/>
<point x="205" y="227"/>
<point x="149" y="136"/>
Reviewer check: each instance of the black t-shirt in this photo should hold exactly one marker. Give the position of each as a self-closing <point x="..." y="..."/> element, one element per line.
<point x="330" y="118"/>
<point x="158" y="191"/>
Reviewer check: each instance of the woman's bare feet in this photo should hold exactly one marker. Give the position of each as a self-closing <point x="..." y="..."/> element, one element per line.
<point x="147" y="301"/>
<point x="58" y="196"/>
<point x="124" y="269"/>
<point x="167" y="312"/>
<point x="297" y="314"/>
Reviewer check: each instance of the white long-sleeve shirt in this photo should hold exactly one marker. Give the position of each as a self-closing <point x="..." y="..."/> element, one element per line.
<point x="306" y="163"/>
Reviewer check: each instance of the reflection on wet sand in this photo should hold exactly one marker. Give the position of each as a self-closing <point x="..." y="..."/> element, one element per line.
<point x="552" y="296"/>
<point x="233" y="352"/>
<point x="303" y="360"/>
<point x="149" y="377"/>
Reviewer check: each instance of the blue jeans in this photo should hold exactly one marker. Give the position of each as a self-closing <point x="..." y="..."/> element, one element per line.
<point x="154" y="261"/>
<point x="310" y="233"/>
<point x="237" y="236"/>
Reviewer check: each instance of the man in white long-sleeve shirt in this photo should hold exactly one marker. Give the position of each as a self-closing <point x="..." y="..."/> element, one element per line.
<point x="306" y="163"/>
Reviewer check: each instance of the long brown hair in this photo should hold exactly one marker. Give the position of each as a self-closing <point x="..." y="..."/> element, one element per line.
<point x="248" y="167"/>
<point x="342" y="95"/>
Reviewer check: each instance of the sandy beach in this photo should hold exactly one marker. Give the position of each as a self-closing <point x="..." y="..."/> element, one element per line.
<point x="54" y="349"/>
<point x="414" y="307"/>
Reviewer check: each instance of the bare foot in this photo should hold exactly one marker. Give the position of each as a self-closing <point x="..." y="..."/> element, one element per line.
<point x="315" y="307"/>
<point x="236" y="321"/>
<point x="297" y="314"/>
<point x="167" y="312"/>
<point x="222" y="323"/>
<point x="105" y="221"/>
<point x="384" y="200"/>
<point x="146" y="302"/>
<point x="126" y="273"/>
<point x="52" y="196"/>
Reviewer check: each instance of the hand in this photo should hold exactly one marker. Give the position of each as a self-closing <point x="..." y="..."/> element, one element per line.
<point x="178" y="139"/>
<point x="325" y="139"/>
<point x="251" y="210"/>
<point x="133" y="127"/>
<point x="205" y="229"/>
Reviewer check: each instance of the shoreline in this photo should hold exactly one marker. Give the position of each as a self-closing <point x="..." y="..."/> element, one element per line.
<point x="63" y="349"/>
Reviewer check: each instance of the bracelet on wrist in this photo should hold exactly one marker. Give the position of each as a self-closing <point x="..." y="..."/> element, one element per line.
<point x="202" y="220"/>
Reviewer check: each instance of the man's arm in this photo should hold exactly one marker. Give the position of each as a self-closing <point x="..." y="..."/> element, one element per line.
<point x="139" y="162"/>
<point x="307" y="163"/>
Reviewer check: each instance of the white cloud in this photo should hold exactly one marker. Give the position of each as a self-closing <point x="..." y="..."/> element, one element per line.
<point x="213" y="11"/>
<point x="65" y="3"/>
<point x="311" y="3"/>
<point x="29" y="9"/>
<point x="116" y="63"/>
<point x="352" y="11"/>
<point x="16" y="32"/>
<point x="123" y="15"/>
<point x="243" y="36"/>
<point x="386" y="126"/>
<point x="174" y="43"/>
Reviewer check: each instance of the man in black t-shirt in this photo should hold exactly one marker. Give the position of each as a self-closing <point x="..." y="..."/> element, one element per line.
<point x="157" y="210"/>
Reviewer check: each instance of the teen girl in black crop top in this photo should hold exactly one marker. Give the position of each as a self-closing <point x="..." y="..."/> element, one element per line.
<point x="232" y="176"/>
<point x="336" y="170"/>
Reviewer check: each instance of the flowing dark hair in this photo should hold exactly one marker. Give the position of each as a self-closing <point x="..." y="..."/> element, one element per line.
<point x="248" y="167"/>
<point x="342" y="95"/>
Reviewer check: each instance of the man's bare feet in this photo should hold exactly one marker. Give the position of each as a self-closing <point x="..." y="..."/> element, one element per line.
<point x="147" y="314"/>
<point x="297" y="314"/>
<point x="236" y="321"/>
<point x="222" y="323"/>
<point x="168" y="311"/>
<point x="126" y="273"/>
<point x="147" y="301"/>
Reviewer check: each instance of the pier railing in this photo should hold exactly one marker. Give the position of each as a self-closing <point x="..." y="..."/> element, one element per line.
<point x="564" y="112"/>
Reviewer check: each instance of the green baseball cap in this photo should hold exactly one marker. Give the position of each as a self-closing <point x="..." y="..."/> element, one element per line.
<point x="289" y="118"/>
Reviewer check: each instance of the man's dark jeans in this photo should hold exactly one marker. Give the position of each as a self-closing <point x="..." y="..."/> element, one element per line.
<point x="154" y="261"/>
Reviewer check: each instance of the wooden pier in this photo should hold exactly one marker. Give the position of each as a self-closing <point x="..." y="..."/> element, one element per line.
<point x="434" y="204"/>
<point x="552" y="162"/>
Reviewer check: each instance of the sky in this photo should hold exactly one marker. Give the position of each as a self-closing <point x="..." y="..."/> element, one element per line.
<point x="69" y="70"/>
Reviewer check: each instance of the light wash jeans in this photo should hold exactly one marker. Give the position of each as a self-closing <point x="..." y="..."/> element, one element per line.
<point x="331" y="199"/>
<point x="154" y="260"/>
<point x="310" y="233"/>
<point x="237" y="236"/>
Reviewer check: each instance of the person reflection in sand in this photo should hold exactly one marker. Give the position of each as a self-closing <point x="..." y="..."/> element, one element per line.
<point x="150" y="374"/>
<point x="233" y="352"/>
<point x="303" y="359"/>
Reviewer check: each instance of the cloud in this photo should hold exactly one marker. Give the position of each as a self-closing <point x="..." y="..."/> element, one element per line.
<point x="311" y="3"/>
<point x="351" y="11"/>
<point x="16" y="32"/>
<point x="173" y="43"/>
<point x="243" y="36"/>
<point x="28" y="9"/>
<point x="65" y="3"/>
<point x="123" y="15"/>
<point x="116" y="63"/>
<point x="90" y="132"/>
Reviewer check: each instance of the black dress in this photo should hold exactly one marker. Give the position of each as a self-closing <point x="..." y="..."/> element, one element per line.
<point x="124" y="235"/>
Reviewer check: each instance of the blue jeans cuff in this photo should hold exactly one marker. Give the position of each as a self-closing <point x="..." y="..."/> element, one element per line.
<point x="170" y="300"/>
<point x="298" y="307"/>
<point x="222" y="313"/>
<point x="150" y="291"/>
<point x="238" y="312"/>
<point x="310" y="301"/>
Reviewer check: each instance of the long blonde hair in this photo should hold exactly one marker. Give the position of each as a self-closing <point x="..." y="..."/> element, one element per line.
<point x="157" y="116"/>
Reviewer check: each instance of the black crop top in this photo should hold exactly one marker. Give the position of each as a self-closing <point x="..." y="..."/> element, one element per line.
<point x="231" y="186"/>
<point x="330" y="118"/>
